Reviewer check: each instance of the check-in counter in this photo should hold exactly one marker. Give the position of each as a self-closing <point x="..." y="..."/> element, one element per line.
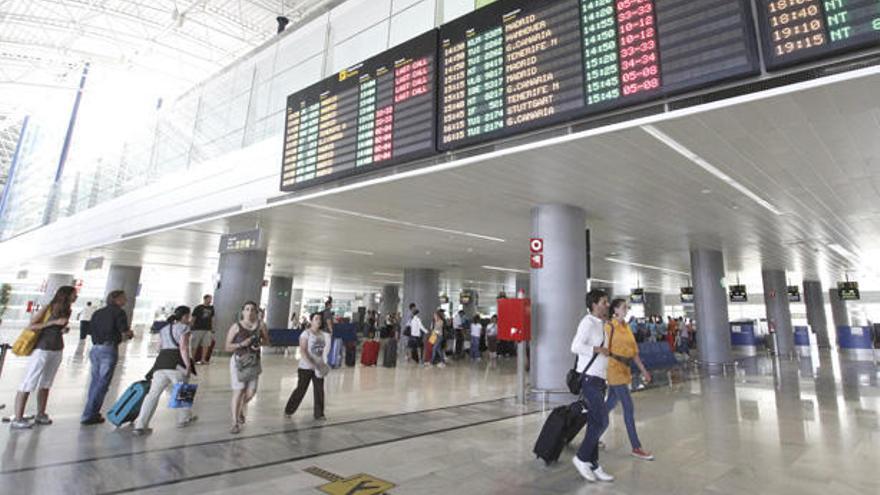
<point x="742" y="339"/>
<point x="802" y="340"/>
<point x="855" y="342"/>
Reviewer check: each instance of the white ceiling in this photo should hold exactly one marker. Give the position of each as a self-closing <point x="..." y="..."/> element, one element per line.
<point x="42" y="42"/>
<point x="813" y="155"/>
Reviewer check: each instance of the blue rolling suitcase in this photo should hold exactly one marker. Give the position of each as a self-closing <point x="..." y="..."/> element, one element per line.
<point x="334" y="359"/>
<point x="128" y="406"/>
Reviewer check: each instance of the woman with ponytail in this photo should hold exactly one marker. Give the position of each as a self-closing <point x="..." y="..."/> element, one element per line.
<point x="173" y="365"/>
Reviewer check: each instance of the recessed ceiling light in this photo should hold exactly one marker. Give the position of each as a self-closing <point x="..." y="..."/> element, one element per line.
<point x="404" y="223"/>
<point x="706" y="191"/>
<point x="470" y="250"/>
<point x="355" y="251"/>
<point x="428" y="253"/>
<point x="649" y="267"/>
<point x="503" y="269"/>
<point x="708" y="167"/>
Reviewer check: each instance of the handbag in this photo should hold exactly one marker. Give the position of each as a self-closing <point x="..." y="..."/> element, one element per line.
<point x="27" y="340"/>
<point x="248" y="366"/>
<point x="433" y="338"/>
<point x="183" y="395"/>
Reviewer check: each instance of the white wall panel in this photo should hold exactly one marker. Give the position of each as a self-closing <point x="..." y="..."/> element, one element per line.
<point x="456" y="8"/>
<point x="301" y="45"/>
<point x="399" y="5"/>
<point x="293" y="80"/>
<point x="360" y="47"/>
<point x="412" y="22"/>
<point x="354" y="16"/>
<point x="248" y="176"/>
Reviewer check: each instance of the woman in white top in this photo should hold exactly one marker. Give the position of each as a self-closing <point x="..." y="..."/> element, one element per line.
<point x="476" y="333"/>
<point x="492" y="337"/>
<point x="244" y="340"/>
<point x="312" y="368"/>
<point x="173" y="365"/>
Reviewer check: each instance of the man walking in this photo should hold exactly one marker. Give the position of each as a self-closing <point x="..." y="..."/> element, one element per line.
<point x="109" y="325"/>
<point x="203" y="330"/>
<point x="592" y="363"/>
<point x="85" y="318"/>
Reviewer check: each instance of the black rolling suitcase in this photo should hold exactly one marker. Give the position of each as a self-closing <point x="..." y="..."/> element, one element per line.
<point x="562" y="425"/>
<point x="350" y="354"/>
<point x="389" y="355"/>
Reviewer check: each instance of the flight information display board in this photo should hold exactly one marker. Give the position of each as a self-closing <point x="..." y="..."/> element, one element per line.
<point x="796" y="31"/>
<point x="377" y="113"/>
<point x="518" y="64"/>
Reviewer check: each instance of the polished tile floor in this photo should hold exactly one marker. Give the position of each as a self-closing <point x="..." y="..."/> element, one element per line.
<point x="792" y="426"/>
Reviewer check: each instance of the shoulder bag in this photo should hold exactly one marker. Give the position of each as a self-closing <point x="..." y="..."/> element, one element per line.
<point x="247" y="365"/>
<point x="573" y="379"/>
<point x="27" y="340"/>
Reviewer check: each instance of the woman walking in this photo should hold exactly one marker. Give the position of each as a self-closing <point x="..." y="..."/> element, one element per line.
<point x="476" y="333"/>
<point x="244" y="340"/>
<point x="312" y="368"/>
<point x="492" y="337"/>
<point x="173" y="365"/>
<point x="435" y="338"/>
<point x="623" y="349"/>
<point x="51" y="323"/>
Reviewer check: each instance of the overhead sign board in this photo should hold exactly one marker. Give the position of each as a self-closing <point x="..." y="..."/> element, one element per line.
<point x="247" y="240"/>
<point x="848" y="291"/>
<point x="738" y="293"/>
<point x="687" y="295"/>
<point x="94" y="263"/>
<point x="795" y="31"/>
<point x="374" y="114"/>
<point x="637" y="296"/>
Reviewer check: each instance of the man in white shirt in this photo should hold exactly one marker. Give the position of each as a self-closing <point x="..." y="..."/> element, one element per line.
<point x="85" y="320"/>
<point x="590" y="346"/>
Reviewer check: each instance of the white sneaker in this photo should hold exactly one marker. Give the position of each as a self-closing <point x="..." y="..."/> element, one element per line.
<point x="584" y="468"/>
<point x="601" y="475"/>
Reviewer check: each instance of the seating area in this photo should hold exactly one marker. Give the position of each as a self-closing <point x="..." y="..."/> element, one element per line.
<point x="656" y="355"/>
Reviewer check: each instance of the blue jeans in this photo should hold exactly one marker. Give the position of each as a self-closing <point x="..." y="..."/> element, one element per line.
<point x="103" y="358"/>
<point x="438" y="355"/>
<point x="621" y="393"/>
<point x="475" y="347"/>
<point x="593" y="396"/>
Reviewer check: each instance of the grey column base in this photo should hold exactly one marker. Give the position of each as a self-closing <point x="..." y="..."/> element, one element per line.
<point x="745" y="350"/>
<point x="715" y="368"/>
<point x="858" y="354"/>
<point x="551" y="396"/>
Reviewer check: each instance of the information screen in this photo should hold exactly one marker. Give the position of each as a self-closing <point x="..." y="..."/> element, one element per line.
<point x="799" y="30"/>
<point x="377" y="113"/>
<point x="519" y="64"/>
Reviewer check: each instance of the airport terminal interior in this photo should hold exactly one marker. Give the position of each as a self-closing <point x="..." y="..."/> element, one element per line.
<point x="367" y="246"/>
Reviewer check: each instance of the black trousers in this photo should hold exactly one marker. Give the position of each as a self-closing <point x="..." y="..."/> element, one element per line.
<point x="84" y="329"/>
<point x="302" y="384"/>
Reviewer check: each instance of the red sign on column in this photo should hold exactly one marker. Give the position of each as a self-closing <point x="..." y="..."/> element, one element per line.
<point x="536" y="261"/>
<point x="536" y="245"/>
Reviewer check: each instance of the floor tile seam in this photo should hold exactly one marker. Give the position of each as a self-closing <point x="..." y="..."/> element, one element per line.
<point x="244" y="438"/>
<point x="320" y="454"/>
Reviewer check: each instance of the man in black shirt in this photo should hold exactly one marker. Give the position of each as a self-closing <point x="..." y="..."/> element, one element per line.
<point x="108" y="327"/>
<point x="203" y="330"/>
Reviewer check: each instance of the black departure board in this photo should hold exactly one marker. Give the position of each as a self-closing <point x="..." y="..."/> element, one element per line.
<point x="377" y="113"/>
<point x="518" y="64"/>
<point x="796" y="31"/>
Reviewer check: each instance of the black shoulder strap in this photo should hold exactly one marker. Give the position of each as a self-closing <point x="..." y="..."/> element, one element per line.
<point x="170" y="328"/>
<point x="595" y="355"/>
